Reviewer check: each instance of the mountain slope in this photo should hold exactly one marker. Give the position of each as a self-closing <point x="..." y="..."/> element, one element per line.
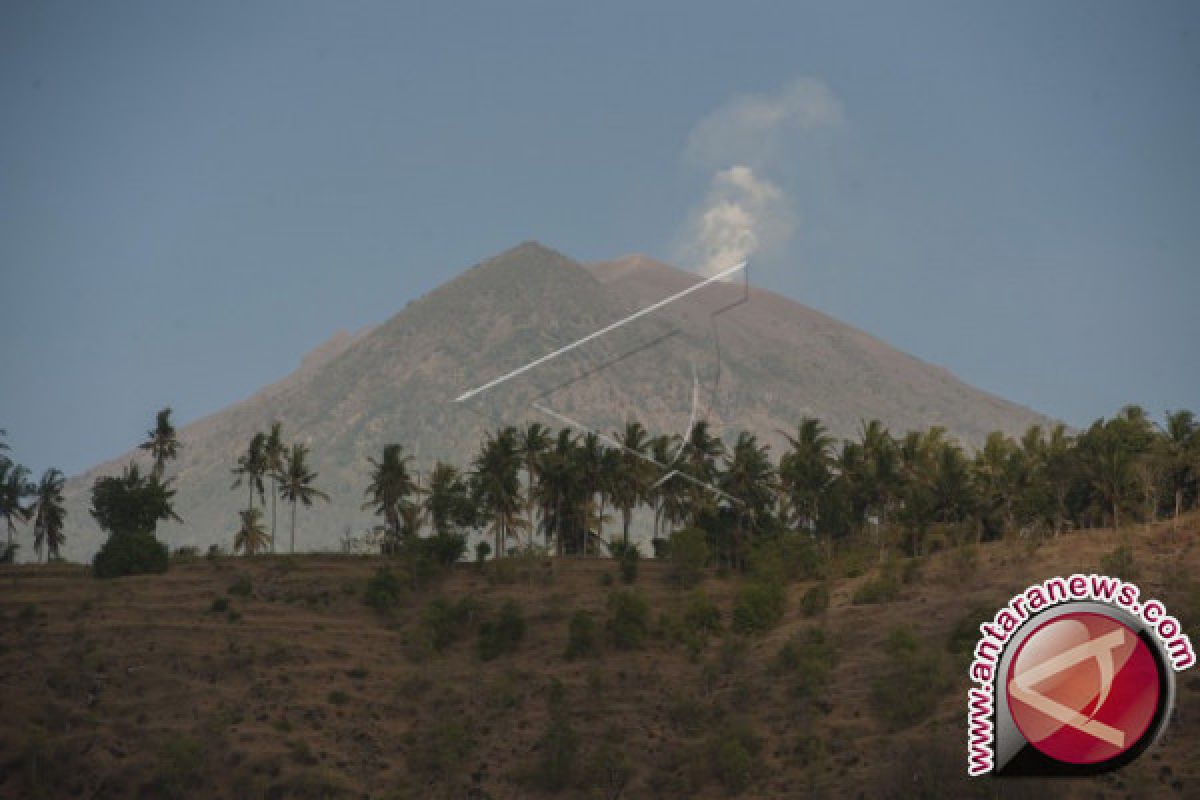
<point x="395" y="382"/>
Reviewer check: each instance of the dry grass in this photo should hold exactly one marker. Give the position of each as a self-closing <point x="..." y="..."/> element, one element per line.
<point x="294" y="687"/>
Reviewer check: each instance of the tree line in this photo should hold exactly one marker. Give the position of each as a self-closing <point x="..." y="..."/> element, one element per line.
<point x="577" y="494"/>
<point x="24" y="501"/>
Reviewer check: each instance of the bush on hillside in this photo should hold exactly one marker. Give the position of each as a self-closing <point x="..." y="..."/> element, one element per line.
<point x="503" y="634"/>
<point x="383" y="590"/>
<point x="629" y="619"/>
<point x="627" y="556"/>
<point x="446" y="621"/>
<point x="582" y="636"/>
<point x="759" y="606"/>
<point x="138" y="553"/>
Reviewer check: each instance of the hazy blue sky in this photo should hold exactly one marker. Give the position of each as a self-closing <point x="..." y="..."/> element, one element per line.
<point x="193" y="195"/>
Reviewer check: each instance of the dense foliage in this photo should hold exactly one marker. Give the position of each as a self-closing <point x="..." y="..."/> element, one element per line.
<point x="716" y="503"/>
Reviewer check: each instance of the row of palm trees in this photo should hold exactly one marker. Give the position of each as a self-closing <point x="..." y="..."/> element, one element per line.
<point x="267" y="457"/>
<point x="535" y="482"/>
<point x="23" y="501"/>
<point x="560" y="486"/>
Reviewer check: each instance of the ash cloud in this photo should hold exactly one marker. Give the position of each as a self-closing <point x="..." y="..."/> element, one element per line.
<point x="745" y="211"/>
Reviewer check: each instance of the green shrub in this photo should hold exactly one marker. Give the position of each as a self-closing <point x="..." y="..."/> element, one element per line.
<point x="558" y="748"/>
<point x="1120" y="563"/>
<point x="338" y="698"/>
<point x="688" y="714"/>
<point x="384" y="590"/>
<point x="503" y="634"/>
<point x="629" y="619"/>
<point x="180" y="768"/>
<point x="608" y="769"/>
<point x="701" y="617"/>
<point x="447" y="548"/>
<point x="439" y="753"/>
<point x="689" y="553"/>
<point x="582" y="636"/>
<point x="965" y="633"/>
<point x="883" y="588"/>
<point x="815" y="600"/>
<point x="912" y="683"/>
<point x="627" y="556"/>
<point x="786" y="558"/>
<point x="242" y="586"/>
<point x="808" y="750"/>
<point x="219" y="605"/>
<point x="807" y="658"/>
<point x="734" y="755"/>
<point x="186" y="552"/>
<point x="445" y="622"/>
<point x="759" y="606"/>
<point x="130" y="554"/>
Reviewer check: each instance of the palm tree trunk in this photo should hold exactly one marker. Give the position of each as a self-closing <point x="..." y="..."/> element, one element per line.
<point x="626" y="514"/>
<point x="1178" y="504"/>
<point x="274" y="497"/>
<point x="293" y="526"/>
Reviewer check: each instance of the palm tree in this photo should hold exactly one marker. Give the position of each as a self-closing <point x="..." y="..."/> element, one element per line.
<point x="532" y="443"/>
<point x="447" y="500"/>
<point x="251" y="537"/>
<point x="412" y="519"/>
<point x="806" y="471"/>
<point x="558" y="490"/>
<point x="1179" y="449"/>
<point x="162" y="442"/>
<point x="390" y="485"/>
<point x="749" y="478"/>
<point x="631" y="482"/>
<point x="661" y="452"/>
<point x="14" y="487"/>
<point x="593" y="463"/>
<point x="251" y="467"/>
<point x="274" y="452"/>
<point x="700" y="454"/>
<point x="295" y="483"/>
<point x="49" y="513"/>
<point x="497" y="485"/>
<point x="1059" y="467"/>
<point x="1108" y="454"/>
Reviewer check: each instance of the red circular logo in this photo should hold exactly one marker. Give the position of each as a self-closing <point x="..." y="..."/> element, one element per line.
<point x="1083" y="688"/>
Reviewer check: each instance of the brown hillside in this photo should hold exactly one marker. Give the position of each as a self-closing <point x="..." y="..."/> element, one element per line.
<point x="138" y="688"/>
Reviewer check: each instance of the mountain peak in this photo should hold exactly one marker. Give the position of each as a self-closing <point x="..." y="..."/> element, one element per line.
<point x="529" y="250"/>
<point x="395" y="382"/>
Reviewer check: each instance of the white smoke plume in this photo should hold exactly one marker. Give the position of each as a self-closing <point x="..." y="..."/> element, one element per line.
<point x="744" y="212"/>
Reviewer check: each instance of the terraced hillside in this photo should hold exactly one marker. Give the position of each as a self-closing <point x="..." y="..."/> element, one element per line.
<point x="272" y="678"/>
